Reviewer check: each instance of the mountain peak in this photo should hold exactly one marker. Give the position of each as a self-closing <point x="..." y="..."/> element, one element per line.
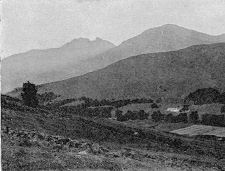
<point x="170" y="25"/>
<point x="143" y="75"/>
<point x="85" y="42"/>
<point x="98" y="39"/>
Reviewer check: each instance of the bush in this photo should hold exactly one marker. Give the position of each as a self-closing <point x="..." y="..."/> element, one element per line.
<point x="46" y="97"/>
<point x="214" y="120"/>
<point x="222" y="110"/>
<point x="157" y="116"/>
<point x="169" y="117"/>
<point x="182" y="117"/>
<point x="222" y="98"/>
<point x="194" y="118"/>
<point x="154" y="105"/>
<point x="143" y="115"/>
<point x="204" y="96"/>
<point x="119" y="115"/>
<point x="129" y="115"/>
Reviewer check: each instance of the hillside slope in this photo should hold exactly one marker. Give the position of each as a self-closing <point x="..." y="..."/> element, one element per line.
<point x="164" y="38"/>
<point x="169" y="74"/>
<point x="82" y="56"/>
<point x="41" y="139"/>
<point x="41" y="66"/>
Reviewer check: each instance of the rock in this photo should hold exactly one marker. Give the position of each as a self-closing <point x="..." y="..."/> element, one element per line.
<point x="25" y="143"/>
<point x="63" y="141"/>
<point x="84" y="145"/>
<point x="57" y="147"/>
<point x="95" y="148"/>
<point x="40" y="136"/>
<point x="73" y="144"/>
<point x="49" y="138"/>
<point x="83" y="152"/>
<point x="114" y="154"/>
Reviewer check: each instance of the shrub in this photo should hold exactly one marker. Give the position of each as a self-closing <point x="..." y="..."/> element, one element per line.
<point x="222" y="110"/>
<point x="204" y="96"/>
<point x="182" y="117"/>
<point x="214" y="120"/>
<point x="169" y="117"/>
<point x="157" y="116"/>
<point x="142" y="115"/>
<point x="46" y="97"/>
<point x="222" y="98"/>
<point x="194" y="118"/>
<point x="154" y="105"/>
<point x="131" y="115"/>
<point x="119" y="115"/>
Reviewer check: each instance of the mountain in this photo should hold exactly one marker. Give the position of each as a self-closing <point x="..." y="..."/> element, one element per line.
<point x="164" y="38"/>
<point x="41" y="66"/>
<point x="58" y="64"/>
<point x="170" y="75"/>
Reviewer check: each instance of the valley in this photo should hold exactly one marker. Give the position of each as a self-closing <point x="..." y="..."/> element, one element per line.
<point x="155" y="102"/>
<point x="54" y="139"/>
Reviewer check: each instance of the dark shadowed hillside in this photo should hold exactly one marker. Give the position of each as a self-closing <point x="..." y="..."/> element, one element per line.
<point x="170" y="74"/>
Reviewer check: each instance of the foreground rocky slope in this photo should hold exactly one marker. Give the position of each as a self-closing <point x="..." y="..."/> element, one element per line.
<point x="39" y="139"/>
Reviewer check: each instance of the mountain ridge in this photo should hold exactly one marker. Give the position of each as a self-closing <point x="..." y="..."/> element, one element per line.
<point x="151" y="43"/>
<point x="160" y="39"/>
<point x="150" y="74"/>
<point x="167" y="75"/>
<point x="46" y="65"/>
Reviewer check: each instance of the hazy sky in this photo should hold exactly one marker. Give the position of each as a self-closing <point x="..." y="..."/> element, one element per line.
<point x="39" y="24"/>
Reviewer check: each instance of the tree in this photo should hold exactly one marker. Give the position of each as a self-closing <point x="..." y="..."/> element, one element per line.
<point x="222" y="110"/>
<point x="159" y="100"/>
<point x="130" y="115"/>
<point x="206" y="119"/>
<point x="119" y="116"/>
<point x="194" y="118"/>
<point x="182" y="117"/>
<point x="169" y="117"/>
<point x="222" y="98"/>
<point x="204" y="96"/>
<point x="157" y="116"/>
<point x="142" y="115"/>
<point x="154" y="105"/>
<point x="214" y="120"/>
<point x="29" y="94"/>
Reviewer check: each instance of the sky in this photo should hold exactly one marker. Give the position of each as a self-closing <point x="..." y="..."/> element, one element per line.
<point x="41" y="24"/>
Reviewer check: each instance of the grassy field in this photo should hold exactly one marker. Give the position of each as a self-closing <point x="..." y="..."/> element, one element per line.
<point x="160" y="126"/>
<point x="201" y="130"/>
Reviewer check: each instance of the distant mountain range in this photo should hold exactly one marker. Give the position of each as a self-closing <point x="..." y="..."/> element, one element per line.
<point x="169" y="75"/>
<point x="166" y="74"/>
<point x="42" y="66"/>
<point x="165" y="38"/>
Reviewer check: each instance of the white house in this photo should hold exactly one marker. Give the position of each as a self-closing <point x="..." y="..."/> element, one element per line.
<point x="174" y="109"/>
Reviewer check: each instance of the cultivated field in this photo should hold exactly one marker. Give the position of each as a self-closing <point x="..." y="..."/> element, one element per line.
<point x="201" y="130"/>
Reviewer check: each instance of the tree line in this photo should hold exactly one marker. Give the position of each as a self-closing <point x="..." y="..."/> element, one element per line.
<point x="207" y="95"/>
